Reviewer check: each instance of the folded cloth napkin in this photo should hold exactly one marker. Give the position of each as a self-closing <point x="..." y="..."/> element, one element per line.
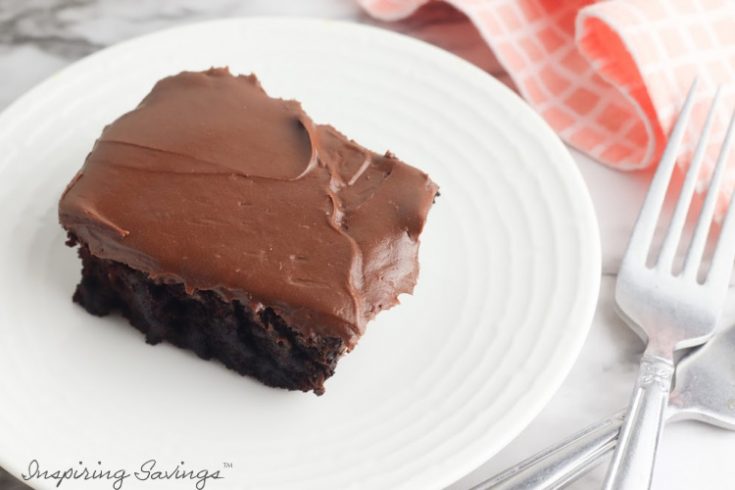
<point x="610" y="76"/>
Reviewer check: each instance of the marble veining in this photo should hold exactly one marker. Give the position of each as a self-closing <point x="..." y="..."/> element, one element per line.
<point x="44" y="26"/>
<point x="38" y="37"/>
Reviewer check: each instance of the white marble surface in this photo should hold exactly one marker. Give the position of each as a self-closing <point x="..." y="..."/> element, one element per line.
<point x="38" y="37"/>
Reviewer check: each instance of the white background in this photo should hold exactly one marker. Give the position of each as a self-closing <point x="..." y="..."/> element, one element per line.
<point x="39" y="37"/>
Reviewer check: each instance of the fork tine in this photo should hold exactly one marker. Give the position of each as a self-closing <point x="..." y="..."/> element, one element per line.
<point x="722" y="261"/>
<point x="673" y="235"/>
<point x="699" y="239"/>
<point x="640" y="240"/>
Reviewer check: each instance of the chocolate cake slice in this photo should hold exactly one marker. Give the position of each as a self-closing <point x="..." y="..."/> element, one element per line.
<point x="227" y="222"/>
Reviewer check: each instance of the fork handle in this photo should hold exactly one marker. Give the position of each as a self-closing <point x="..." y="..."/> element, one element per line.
<point x="635" y="455"/>
<point x="561" y="464"/>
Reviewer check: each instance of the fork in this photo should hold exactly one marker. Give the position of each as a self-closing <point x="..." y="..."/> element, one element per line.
<point x="669" y="311"/>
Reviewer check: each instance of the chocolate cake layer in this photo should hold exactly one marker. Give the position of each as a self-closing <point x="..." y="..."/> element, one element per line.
<point x="257" y="344"/>
<point x="213" y="186"/>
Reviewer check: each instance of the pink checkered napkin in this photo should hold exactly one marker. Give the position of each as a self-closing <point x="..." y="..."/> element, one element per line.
<point x="610" y="76"/>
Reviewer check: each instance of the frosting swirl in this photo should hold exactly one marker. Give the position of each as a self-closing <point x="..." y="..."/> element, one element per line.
<point x="211" y="183"/>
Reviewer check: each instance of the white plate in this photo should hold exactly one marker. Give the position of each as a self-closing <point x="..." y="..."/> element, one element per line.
<point x="510" y="267"/>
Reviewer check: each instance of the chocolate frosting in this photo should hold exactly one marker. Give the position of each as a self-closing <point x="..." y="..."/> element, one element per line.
<point x="211" y="183"/>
